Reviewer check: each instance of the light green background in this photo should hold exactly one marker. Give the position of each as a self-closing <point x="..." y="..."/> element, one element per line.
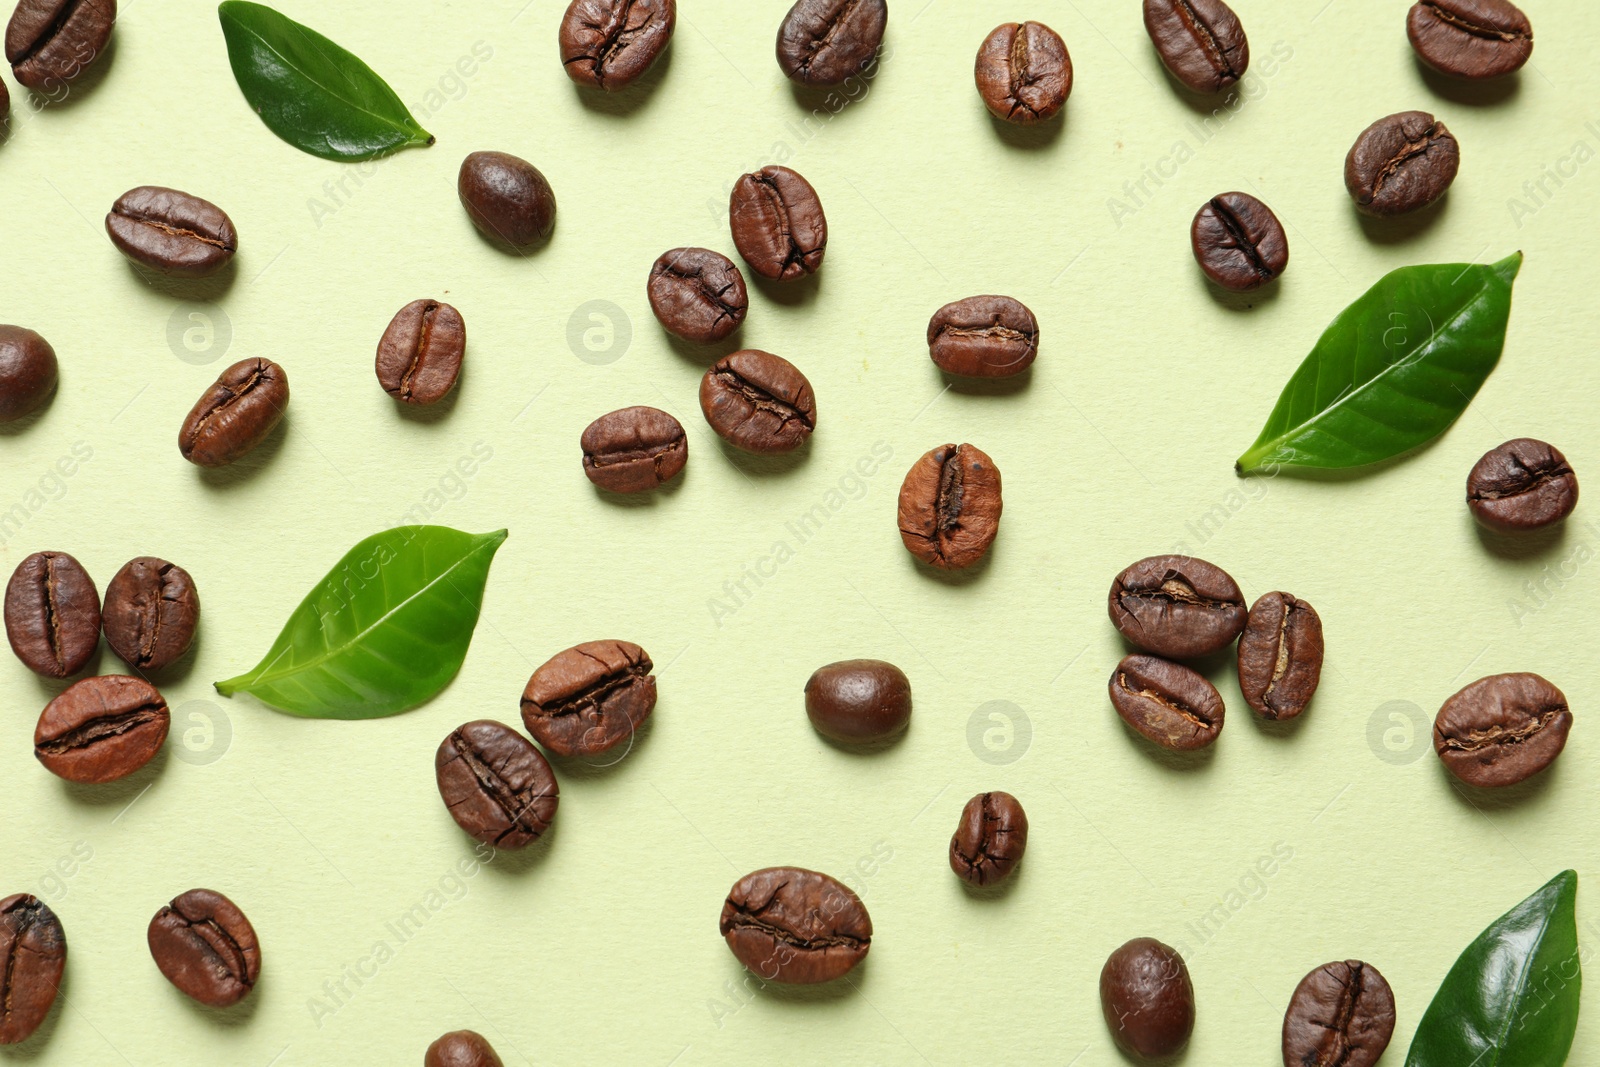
<point x="601" y="946"/>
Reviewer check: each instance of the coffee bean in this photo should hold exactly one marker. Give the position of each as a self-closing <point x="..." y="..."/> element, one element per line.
<point x="1147" y="999"/>
<point x="1024" y="73"/>
<point x="778" y="223"/>
<point x="5" y="101"/>
<point x="1502" y="730"/>
<point x="1470" y="38"/>
<point x="758" y="402"/>
<point x="1280" y="656"/>
<point x="206" y="947"/>
<point x="588" y="699"/>
<point x="51" y="42"/>
<point x="609" y="44"/>
<point x="28" y="371"/>
<point x="634" y="450"/>
<point x="507" y="199"/>
<point x="794" y="926"/>
<point x="823" y="43"/>
<point x="497" y="786"/>
<point x="990" y="839"/>
<point x="101" y="729"/>
<point x="1522" y="485"/>
<point x="698" y="294"/>
<point x="1177" y="607"/>
<point x="52" y="614"/>
<point x="983" y="337"/>
<point x="1200" y="42"/>
<point x="1341" y="1015"/>
<point x="859" y="701"/>
<point x="464" y="1048"/>
<point x="420" y="354"/>
<point x="950" y="506"/>
<point x="33" y="957"/>
<point x="1239" y="242"/>
<point x="172" y="232"/>
<point x="1401" y="163"/>
<point x="151" y="613"/>
<point x="236" y="414"/>
<point x="1167" y="702"/>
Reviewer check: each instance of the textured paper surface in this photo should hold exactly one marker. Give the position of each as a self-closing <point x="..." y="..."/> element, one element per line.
<point x="601" y="945"/>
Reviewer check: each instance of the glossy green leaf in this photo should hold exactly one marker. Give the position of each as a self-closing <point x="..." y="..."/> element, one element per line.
<point x="311" y="92"/>
<point x="1511" y="1000"/>
<point x="385" y="631"/>
<point x="1393" y="371"/>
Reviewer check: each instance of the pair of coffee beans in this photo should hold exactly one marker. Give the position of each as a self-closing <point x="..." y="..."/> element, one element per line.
<point x="1502" y="730"/>
<point x="983" y="337"/>
<point x="634" y="450"/>
<point x="859" y="701"/>
<point x="698" y="295"/>
<point x="950" y="506"/>
<point x="33" y="958"/>
<point x="1341" y="1015"/>
<point x="1201" y="42"/>
<point x="28" y="372"/>
<point x="172" y="232"/>
<point x="466" y="1048"/>
<point x="795" y="927"/>
<point x="1401" y="164"/>
<point x="51" y="42"/>
<point x="1239" y="242"/>
<point x="239" y="412"/>
<point x="420" y="354"/>
<point x="1147" y="999"/>
<point x="824" y="43"/>
<point x="609" y="44"/>
<point x="206" y="947"/>
<point x="758" y="402"/>
<point x="1024" y="73"/>
<point x="1521" y="486"/>
<point x="989" y="840"/>
<point x="1470" y="38"/>
<point x="507" y="199"/>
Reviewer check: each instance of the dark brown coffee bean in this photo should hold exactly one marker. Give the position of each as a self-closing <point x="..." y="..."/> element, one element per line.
<point x="823" y="43"/>
<point x="28" y="371"/>
<point x="794" y="926"/>
<point x="634" y="450"/>
<point x="498" y="787"/>
<point x="758" y="402"/>
<point x="1280" y="656"/>
<point x="171" y="232"/>
<point x="1341" y="1015"/>
<point x="990" y="839"/>
<point x="983" y="337"/>
<point x="463" y="1048"/>
<point x="859" y="701"/>
<point x="1239" y="242"/>
<point x="1024" y="73"/>
<point x="206" y="947"/>
<point x="420" y="354"/>
<point x="51" y="42"/>
<point x="1502" y="730"/>
<point x="1470" y="38"/>
<point x="1522" y="485"/>
<point x="101" y="729"/>
<point x="5" y="101"/>
<point x="950" y="505"/>
<point x="609" y="44"/>
<point x="151" y="613"/>
<point x="698" y="294"/>
<point x="507" y="199"/>
<point x="778" y="223"/>
<point x="1177" y="606"/>
<point x="1401" y="163"/>
<point x="1167" y="702"/>
<point x="1201" y="42"/>
<point x="33" y="957"/>
<point x="589" y="699"/>
<point x="236" y="414"/>
<point x="52" y="614"/>
<point x="1147" y="999"/>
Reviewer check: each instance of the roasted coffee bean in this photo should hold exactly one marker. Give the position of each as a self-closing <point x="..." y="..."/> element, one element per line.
<point x="983" y="337"/>
<point x="990" y="839"/>
<point x="589" y="698"/>
<point x="1239" y="242"/>
<point x="1177" y="606"/>
<point x="1201" y="42"/>
<point x="151" y="613"/>
<point x="52" y="614"/>
<point x="1470" y="38"/>
<point x="171" y="232"/>
<point x="420" y="354"/>
<point x="698" y="294"/>
<point x="464" y="1048"/>
<point x="1024" y="73"/>
<point x="51" y="42"/>
<point x="609" y="44"/>
<point x="1341" y="1015"/>
<point x="236" y="414"/>
<point x="758" y="402"/>
<point x="1401" y="163"/>
<point x="507" y="199"/>
<point x="33" y="957"/>
<point x="859" y="701"/>
<point x="950" y="506"/>
<point x="823" y="43"/>
<point x="206" y="947"/>
<point x="794" y="926"/>
<point x="5" y="101"/>
<point x="28" y="371"/>
<point x="634" y="450"/>
<point x="1522" y="485"/>
<point x="1147" y="999"/>
<point x="1502" y="730"/>
<point x="1280" y="656"/>
<point x="101" y="729"/>
<point x="1167" y="702"/>
<point x="778" y="223"/>
<point x="496" y="784"/>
